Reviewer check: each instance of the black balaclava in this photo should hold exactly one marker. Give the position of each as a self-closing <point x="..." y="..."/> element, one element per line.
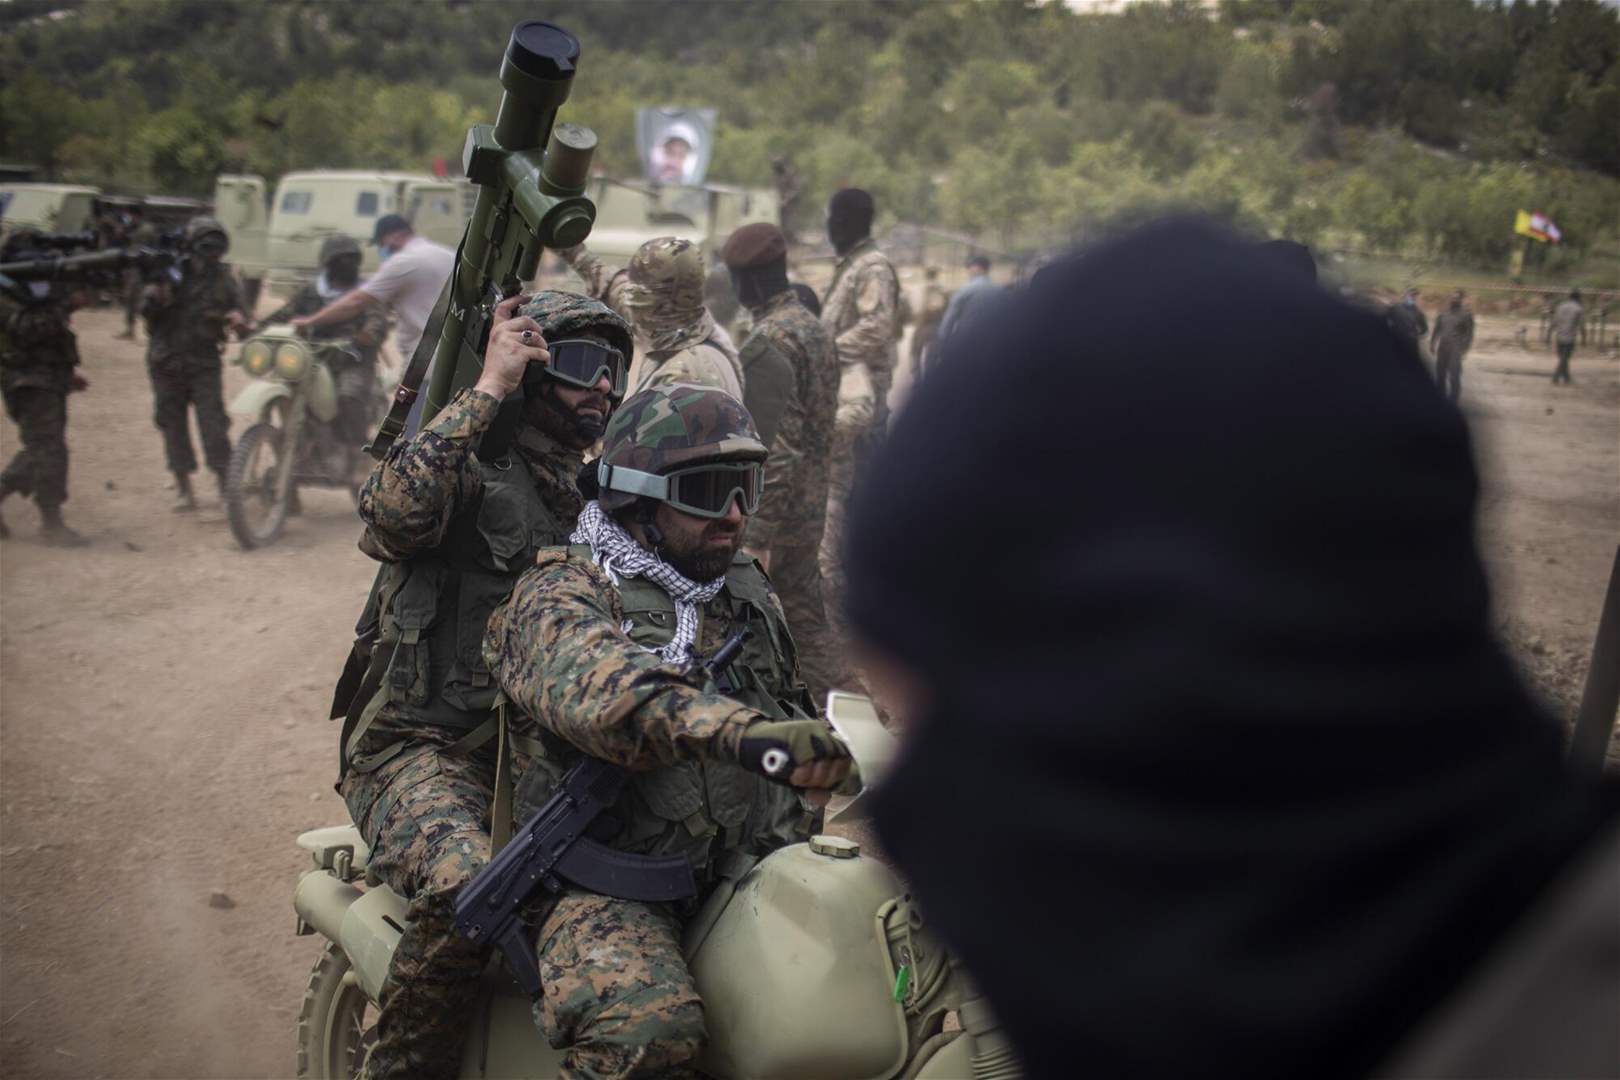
<point x="757" y="284"/>
<point x="849" y="218"/>
<point x="343" y="271"/>
<point x="1249" y="784"/>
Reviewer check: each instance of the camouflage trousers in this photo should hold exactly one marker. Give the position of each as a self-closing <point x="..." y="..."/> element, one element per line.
<point x="198" y="386"/>
<point x="796" y="574"/>
<point x="40" y="468"/>
<point x="618" y="995"/>
<point x="425" y="815"/>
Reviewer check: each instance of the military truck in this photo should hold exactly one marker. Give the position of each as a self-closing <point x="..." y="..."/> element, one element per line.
<point x="628" y="214"/>
<point x="52" y="208"/>
<point x="276" y="241"/>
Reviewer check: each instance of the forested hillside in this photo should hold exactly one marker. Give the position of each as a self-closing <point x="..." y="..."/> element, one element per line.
<point x="1391" y="125"/>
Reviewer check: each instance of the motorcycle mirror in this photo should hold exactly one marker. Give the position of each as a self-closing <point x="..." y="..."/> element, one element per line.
<point x="855" y="719"/>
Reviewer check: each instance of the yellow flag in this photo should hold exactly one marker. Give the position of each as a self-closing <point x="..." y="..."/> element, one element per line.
<point x="1521" y="224"/>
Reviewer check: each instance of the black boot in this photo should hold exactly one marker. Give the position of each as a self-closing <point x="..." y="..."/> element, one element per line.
<point x="186" y="502"/>
<point x="55" y="531"/>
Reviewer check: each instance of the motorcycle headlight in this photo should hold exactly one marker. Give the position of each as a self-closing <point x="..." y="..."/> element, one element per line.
<point x="291" y="362"/>
<point x="256" y="358"/>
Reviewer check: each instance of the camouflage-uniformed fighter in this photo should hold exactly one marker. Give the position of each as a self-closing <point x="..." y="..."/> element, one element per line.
<point x="340" y="272"/>
<point x="861" y="311"/>
<point x="186" y="323"/>
<point x="456" y="520"/>
<point x="595" y="648"/>
<point x="38" y="355"/>
<point x="792" y="511"/>
<point x="661" y="293"/>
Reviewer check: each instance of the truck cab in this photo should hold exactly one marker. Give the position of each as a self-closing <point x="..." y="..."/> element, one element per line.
<point x="629" y="213"/>
<point x="278" y="240"/>
<point x="52" y="208"/>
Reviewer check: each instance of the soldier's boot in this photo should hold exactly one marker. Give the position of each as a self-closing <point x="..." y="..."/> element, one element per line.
<point x="56" y="532"/>
<point x="186" y="502"/>
<point x="5" y="489"/>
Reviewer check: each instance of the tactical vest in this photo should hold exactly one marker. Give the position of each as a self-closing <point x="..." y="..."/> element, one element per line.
<point x="703" y="808"/>
<point x="427" y="615"/>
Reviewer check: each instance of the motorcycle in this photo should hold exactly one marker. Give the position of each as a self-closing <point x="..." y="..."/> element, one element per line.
<point x="297" y="435"/>
<point x="814" y="963"/>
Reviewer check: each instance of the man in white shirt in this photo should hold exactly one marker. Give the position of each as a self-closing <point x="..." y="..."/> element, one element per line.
<point x="410" y="279"/>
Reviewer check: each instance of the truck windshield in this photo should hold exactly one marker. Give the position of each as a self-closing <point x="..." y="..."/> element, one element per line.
<point x="296" y="202"/>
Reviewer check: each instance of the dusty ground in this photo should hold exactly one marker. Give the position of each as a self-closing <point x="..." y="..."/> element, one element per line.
<point x="163" y="703"/>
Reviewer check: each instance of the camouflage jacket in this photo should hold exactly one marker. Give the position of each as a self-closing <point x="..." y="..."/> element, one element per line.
<point x="861" y="311"/>
<point x="189" y="329"/>
<point x="366" y="330"/>
<point x="37" y="348"/>
<point x="1453" y="331"/>
<point x="450" y="557"/>
<point x="602" y="282"/>
<point x="411" y="498"/>
<point x="570" y="650"/>
<point x="793" y="507"/>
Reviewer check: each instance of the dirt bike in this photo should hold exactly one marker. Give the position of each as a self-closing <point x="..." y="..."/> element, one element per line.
<point x="297" y="436"/>
<point x="814" y="963"/>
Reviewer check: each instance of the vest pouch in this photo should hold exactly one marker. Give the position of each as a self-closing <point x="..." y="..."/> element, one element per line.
<point x="503" y="521"/>
<point x="469" y="684"/>
<point x="665" y="812"/>
<point x="731" y="794"/>
<point x="410" y="672"/>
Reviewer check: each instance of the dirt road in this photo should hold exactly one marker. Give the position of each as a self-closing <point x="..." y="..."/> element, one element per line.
<point x="163" y="694"/>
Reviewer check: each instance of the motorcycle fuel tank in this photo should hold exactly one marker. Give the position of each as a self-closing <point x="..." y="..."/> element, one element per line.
<point x="794" y="975"/>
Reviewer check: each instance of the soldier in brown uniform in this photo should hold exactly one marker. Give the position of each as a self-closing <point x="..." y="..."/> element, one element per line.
<point x="661" y="293"/>
<point x="38" y="355"/>
<point x="187" y="318"/>
<point x="861" y="311"/>
<point x="456" y="514"/>
<point x="797" y="426"/>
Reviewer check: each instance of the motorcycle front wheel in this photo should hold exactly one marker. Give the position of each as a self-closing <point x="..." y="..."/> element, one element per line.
<point x="336" y="1023"/>
<point x="255" y="513"/>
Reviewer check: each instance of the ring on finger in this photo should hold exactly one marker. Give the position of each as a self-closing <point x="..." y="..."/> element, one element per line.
<point x="528" y="336"/>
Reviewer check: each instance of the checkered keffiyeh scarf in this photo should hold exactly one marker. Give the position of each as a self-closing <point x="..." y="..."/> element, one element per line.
<point x="617" y="552"/>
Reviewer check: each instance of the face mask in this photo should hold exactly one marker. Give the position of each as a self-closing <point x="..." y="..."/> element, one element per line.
<point x="383" y="251"/>
<point x="1410" y="302"/>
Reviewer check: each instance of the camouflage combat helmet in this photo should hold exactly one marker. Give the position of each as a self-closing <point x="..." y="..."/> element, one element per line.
<point x="337" y="245"/>
<point x="669" y="427"/>
<point x="563" y="314"/>
<point x="666" y="285"/>
<point x="202" y="226"/>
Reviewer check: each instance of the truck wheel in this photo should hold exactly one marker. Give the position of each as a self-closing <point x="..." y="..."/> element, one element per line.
<point x="336" y="1024"/>
<point x="251" y="506"/>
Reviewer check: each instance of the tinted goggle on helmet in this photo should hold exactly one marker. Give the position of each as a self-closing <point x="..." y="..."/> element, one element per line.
<point x="581" y="362"/>
<point x="702" y="490"/>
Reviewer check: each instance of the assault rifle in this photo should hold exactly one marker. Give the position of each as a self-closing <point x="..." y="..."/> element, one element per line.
<point x="552" y="850"/>
<point x="531" y="174"/>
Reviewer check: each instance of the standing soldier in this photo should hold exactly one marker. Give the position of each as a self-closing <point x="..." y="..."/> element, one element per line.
<point x="861" y="311"/>
<point x="596" y="650"/>
<point x="37" y="356"/>
<point x="187" y="318"/>
<point x="141" y="234"/>
<point x="1453" y="334"/>
<point x="661" y="293"/>
<point x="340" y="272"/>
<point x="455" y="519"/>
<point x="1566" y="327"/>
<point x="1407" y="319"/>
<point x="786" y="530"/>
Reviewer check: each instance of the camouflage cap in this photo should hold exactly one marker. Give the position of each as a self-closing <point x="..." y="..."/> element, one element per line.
<point x="338" y="244"/>
<point x="666" y="284"/>
<point x="561" y="314"/>
<point x="668" y="427"/>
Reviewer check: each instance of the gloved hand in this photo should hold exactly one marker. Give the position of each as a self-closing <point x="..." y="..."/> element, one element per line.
<point x="801" y="753"/>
